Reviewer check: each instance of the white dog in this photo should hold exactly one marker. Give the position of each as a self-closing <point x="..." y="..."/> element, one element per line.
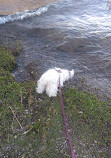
<point x="49" y="81"/>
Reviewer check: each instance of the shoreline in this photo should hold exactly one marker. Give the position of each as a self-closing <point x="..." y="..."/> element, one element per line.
<point x="99" y="86"/>
<point x="12" y="6"/>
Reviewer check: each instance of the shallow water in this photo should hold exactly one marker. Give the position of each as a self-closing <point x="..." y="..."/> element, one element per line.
<point x="67" y="34"/>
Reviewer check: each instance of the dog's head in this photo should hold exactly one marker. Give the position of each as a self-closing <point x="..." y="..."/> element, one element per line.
<point x="65" y="73"/>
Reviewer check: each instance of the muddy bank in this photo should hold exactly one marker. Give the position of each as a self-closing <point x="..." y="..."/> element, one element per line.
<point x="33" y="126"/>
<point x="12" y="6"/>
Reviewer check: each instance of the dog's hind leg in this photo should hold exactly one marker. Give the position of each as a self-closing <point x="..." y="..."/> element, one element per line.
<point x="51" y="89"/>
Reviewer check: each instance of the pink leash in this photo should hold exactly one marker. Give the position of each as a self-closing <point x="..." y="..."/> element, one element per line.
<point x="72" y="152"/>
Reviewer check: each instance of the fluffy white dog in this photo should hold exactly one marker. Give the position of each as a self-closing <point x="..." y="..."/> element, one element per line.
<point x="49" y="81"/>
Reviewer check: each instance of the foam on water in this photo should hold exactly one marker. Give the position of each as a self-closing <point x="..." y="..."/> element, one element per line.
<point x="23" y="15"/>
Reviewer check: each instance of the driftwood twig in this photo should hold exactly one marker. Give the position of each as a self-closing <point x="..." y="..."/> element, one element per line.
<point x="15" y="117"/>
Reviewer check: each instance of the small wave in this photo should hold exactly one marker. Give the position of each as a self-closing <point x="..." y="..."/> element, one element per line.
<point x="22" y="15"/>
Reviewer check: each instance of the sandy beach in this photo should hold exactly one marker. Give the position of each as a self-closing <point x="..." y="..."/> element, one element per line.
<point x="12" y="6"/>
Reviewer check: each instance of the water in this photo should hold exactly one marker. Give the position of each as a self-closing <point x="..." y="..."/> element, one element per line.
<point x="67" y="34"/>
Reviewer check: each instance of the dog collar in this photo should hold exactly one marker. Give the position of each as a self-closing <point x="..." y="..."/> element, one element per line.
<point x="59" y="71"/>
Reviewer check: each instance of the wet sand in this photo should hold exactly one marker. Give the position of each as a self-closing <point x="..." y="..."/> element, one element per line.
<point x="12" y="6"/>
